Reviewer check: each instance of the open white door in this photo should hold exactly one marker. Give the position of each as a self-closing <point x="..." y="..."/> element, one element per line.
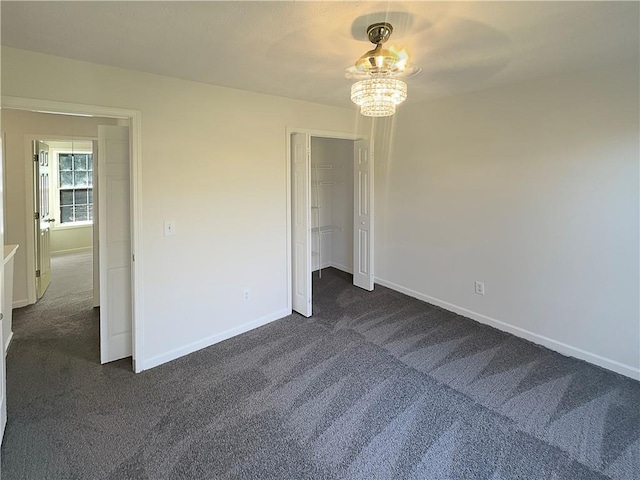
<point x="301" y="221"/>
<point x="362" y="216"/>
<point x="42" y="222"/>
<point x="96" y="228"/>
<point x="116" y="339"/>
<point x="5" y="304"/>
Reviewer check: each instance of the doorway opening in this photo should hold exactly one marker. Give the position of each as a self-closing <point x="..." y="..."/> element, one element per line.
<point x="63" y="185"/>
<point x="331" y="215"/>
<point x="331" y="204"/>
<point x="76" y="195"/>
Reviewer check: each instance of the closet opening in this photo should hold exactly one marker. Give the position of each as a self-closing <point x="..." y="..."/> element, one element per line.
<point x="331" y="214"/>
<point x="331" y="204"/>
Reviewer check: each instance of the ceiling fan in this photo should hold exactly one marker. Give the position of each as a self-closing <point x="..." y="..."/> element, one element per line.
<point x="379" y="89"/>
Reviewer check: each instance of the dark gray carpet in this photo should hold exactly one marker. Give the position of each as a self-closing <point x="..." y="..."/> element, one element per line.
<point x="374" y="386"/>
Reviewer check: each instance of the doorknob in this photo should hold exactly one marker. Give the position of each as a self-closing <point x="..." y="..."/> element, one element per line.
<point x="50" y="220"/>
<point x="361" y="223"/>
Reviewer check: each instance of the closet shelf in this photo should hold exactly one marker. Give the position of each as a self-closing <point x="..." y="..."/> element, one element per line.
<point x="325" y="184"/>
<point x="324" y="166"/>
<point x="326" y="229"/>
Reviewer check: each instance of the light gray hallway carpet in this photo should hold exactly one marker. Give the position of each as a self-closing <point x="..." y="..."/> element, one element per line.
<point x="376" y="385"/>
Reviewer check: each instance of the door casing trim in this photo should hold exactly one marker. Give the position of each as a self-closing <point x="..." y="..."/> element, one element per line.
<point x="313" y="133"/>
<point x="135" y="127"/>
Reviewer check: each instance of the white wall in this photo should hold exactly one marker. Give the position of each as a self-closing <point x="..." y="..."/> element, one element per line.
<point x="214" y="161"/>
<point x="19" y="126"/>
<point x="72" y="239"/>
<point x="532" y="189"/>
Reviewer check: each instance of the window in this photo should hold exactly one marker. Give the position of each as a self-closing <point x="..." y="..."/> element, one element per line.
<point x="75" y="187"/>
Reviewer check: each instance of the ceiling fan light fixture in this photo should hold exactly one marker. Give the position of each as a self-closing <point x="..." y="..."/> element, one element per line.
<point x="378" y="108"/>
<point x="379" y="90"/>
<point x="378" y="96"/>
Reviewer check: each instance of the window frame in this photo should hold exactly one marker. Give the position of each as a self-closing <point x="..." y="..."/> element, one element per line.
<point x="54" y="198"/>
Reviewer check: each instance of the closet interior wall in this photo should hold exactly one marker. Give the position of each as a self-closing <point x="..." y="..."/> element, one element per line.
<point x="332" y="203"/>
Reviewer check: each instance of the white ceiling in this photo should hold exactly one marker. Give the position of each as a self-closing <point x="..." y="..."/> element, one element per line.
<point x="300" y="49"/>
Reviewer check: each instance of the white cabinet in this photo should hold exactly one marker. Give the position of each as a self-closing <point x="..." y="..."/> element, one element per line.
<point x="7" y="295"/>
<point x="6" y="307"/>
<point x="332" y="203"/>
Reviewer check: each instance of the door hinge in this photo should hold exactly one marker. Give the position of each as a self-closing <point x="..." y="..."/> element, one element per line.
<point x="36" y="215"/>
<point x="35" y="157"/>
<point x="37" y="273"/>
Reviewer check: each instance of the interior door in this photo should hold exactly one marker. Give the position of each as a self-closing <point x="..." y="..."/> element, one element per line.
<point x="96" y="228"/>
<point x="116" y="340"/>
<point x="5" y="303"/>
<point x="301" y="222"/>
<point x="41" y="218"/>
<point x="362" y="216"/>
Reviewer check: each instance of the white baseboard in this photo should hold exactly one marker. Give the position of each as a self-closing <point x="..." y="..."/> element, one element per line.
<point x="324" y="265"/>
<point x="344" y="268"/>
<point x="20" y="303"/>
<point x="207" y="342"/>
<point x="550" y="343"/>
<point x="339" y="266"/>
<point x="7" y="343"/>
<point x="72" y="250"/>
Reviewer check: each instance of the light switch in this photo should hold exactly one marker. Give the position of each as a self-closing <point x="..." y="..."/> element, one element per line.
<point x="169" y="227"/>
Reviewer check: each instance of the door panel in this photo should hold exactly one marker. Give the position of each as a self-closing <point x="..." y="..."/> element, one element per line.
<point x="362" y="216"/>
<point x="5" y="304"/>
<point x="96" y="228"/>
<point x="42" y="222"/>
<point x="116" y="340"/>
<point x="301" y="228"/>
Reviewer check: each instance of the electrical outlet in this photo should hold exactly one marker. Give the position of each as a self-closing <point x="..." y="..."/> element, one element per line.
<point x="479" y="288"/>
<point x="169" y="227"/>
<point x="246" y="294"/>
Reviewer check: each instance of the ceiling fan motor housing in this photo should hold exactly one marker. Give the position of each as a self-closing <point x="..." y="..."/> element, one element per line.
<point x="379" y="32"/>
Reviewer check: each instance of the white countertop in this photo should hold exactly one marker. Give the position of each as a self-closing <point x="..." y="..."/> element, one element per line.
<point x="9" y="251"/>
